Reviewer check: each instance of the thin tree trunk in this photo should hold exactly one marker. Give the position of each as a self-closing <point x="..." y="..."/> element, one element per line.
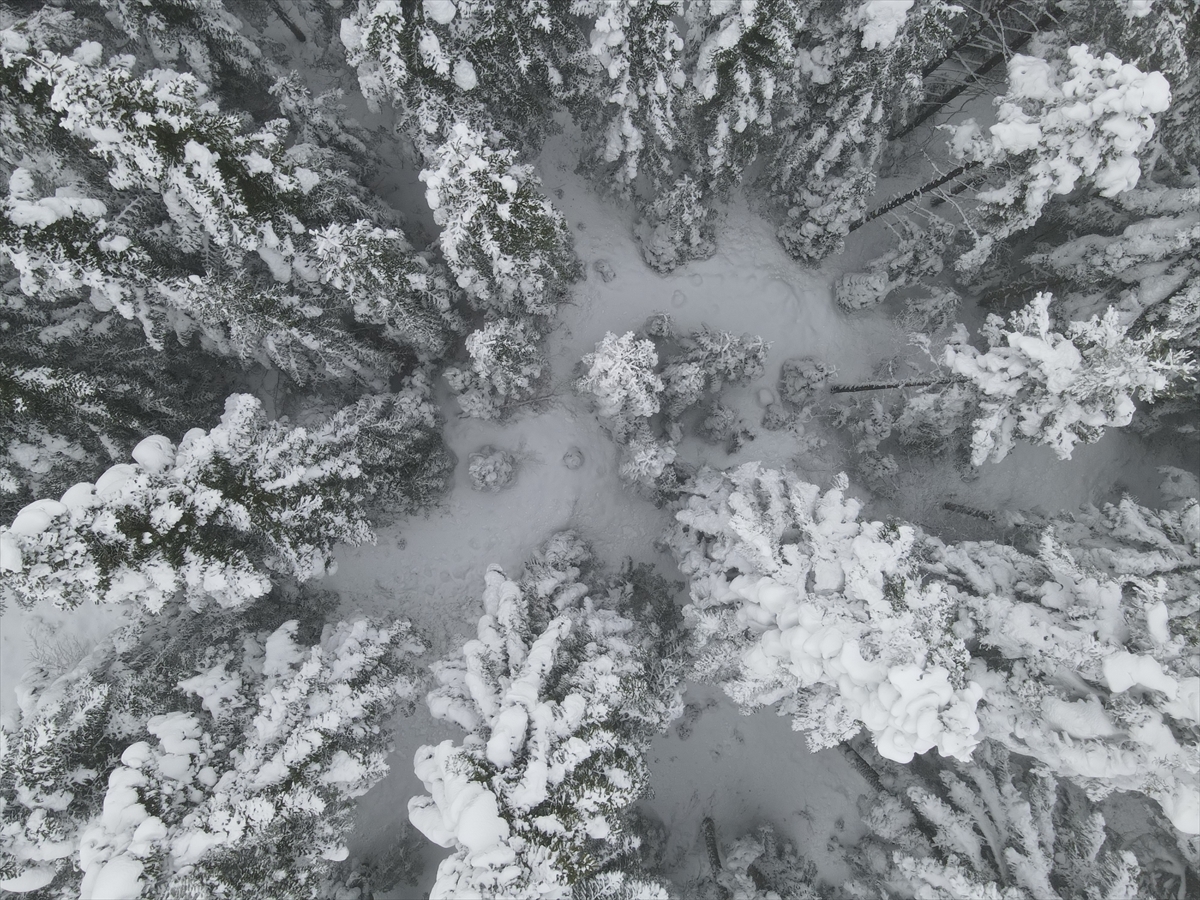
<point x="861" y="766"/>
<point x="709" y="829"/>
<point x="914" y="194"/>
<point x="886" y="385"/>
<point x="990" y="63"/>
<point x="958" y="189"/>
<point x="969" y="35"/>
<point x="287" y="20"/>
<point x="969" y="511"/>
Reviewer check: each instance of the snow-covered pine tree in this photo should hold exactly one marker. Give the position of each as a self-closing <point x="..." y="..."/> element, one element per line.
<point x="57" y="425"/>
<point x="995" y="828"/>
<point x="210" y="518"/>
<point x="1106" y="602"/>
<point x="859" y="62"/>
<point x="796" y="602"/>
<point x="742" y="60"/>
<point x="560" y="694"/>
<point x="79" y="388"/>
<point x="189" y="189"/>
<point x="506" y="367"/>
<point x="385" y="282"/>
<point x="1082" y="120"/>
<point x="1082" y="646"/>
<point x="1053" y="388"/>
<point x="505" y="243"/>
<point x="1146" y="271"/>
<point x="200" y="754"/>
<point x="635" y="128"/>
<point x="494" y="65"/>
<point x="204" y="36"/>
<point x="619" y="377"/>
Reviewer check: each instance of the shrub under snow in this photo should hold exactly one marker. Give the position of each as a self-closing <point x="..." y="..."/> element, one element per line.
<point x="560" y="695"/>
<point x="619" y="375"/>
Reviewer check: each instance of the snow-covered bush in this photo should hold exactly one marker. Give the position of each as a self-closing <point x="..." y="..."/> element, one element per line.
<point x="199" y="755"/>
<point x="505" y="243"/>
<point x="936" y="420"/>
<point x="677" y="227"/>
<point x="491" y="470"/>
<point x="801" y="376"/>
<point x="1055" y="127"/>
<point x="931" y="310"/>
<point x="1057" y="389"/>
<point x="704" y="361"/>
<point x="211" y="517"/>
<point x="560" y="695"/>
<point x="620" y="379"/>
<point x="506" y="367"/>
<point x="917" y="255"/>
<point x="760" y="865"/>
<point x="645" y="460"/>
<point x="797" y="603"/>
<point x="995" y="827"/>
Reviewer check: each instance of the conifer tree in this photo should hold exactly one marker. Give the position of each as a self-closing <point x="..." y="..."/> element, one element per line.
<point x="1057" y="389"/>
<point x="1058" y="125"/>
<point x="826" y="616"/>
<point x="1081" y="647"/>
<point x="859" y="62"/>
<point x="636" y="128"/>
<point x="200" y="754"/>
<point x="505" y="243"/>
<point x="186" y="189"/>
<point x="203" y="36"/>
<point x="560" y="695"/>
<point x="742" y="66"/>
<point x="995" y="827"/>
<point x="210" y="518"/>
<point x="506" y="368"/>
<point x="506" y="66"/>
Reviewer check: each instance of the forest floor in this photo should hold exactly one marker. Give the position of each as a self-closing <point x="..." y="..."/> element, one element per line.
<point x="740" y="770"/>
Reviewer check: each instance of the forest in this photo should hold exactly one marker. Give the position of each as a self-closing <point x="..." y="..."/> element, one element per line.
<point x="600" y="449"/>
